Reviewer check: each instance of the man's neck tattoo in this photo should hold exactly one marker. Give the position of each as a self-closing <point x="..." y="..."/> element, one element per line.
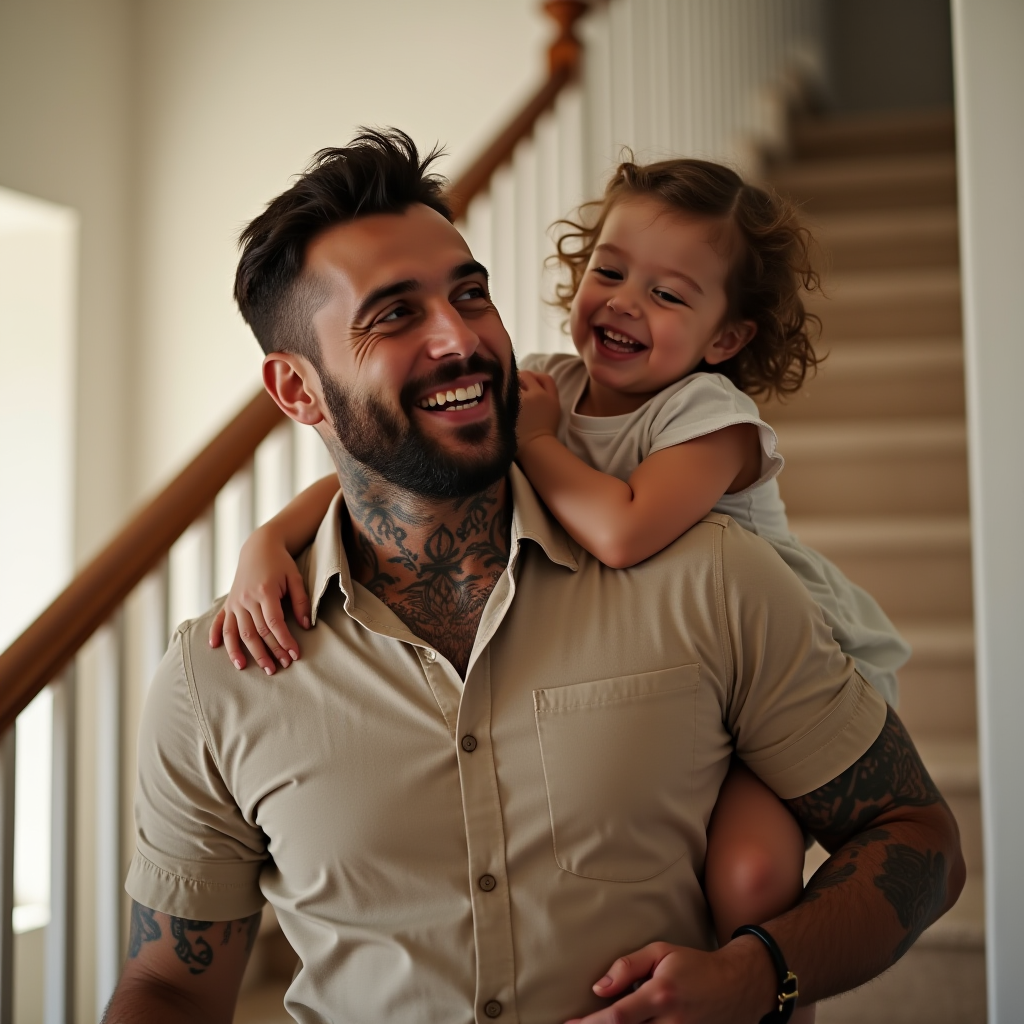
<point x="434" y="564"/>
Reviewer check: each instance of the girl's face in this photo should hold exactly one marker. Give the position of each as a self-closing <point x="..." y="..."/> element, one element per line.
<point x="652" y="302"/>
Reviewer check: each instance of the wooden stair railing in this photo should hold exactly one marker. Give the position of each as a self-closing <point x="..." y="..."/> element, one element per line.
<point x="46" y="646"/>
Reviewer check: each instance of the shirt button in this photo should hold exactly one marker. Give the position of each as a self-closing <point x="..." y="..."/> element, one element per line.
<point x="487" y="883"/>
<point x="430" y="655"/>
<point x="468" y="743"/>
<point x="492" y="1008"/>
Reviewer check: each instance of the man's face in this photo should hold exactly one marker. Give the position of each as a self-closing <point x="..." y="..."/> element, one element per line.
<point x="416" y="368"/>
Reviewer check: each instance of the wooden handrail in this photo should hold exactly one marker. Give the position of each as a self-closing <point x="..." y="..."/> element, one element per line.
<point x="93" y="595"/>
<point x="39" y="654"/>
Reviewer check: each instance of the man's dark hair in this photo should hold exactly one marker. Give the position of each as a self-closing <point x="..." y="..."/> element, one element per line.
<point x="379" y="171"/>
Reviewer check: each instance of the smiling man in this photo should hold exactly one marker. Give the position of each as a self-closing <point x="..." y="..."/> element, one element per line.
<point x="483" y="792"/>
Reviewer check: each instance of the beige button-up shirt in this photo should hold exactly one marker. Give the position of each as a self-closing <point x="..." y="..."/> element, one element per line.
<point x="452" y="852"/>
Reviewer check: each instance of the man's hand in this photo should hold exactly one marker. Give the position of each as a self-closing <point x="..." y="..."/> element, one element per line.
<point x="181" y="970"/>
<point x="539" y="408"/>
<point x="735" y="985"/>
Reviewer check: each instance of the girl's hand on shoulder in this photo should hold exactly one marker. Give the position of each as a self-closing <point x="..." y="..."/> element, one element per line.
<point x="253" y="614"/>
<point x="539" y="408"/>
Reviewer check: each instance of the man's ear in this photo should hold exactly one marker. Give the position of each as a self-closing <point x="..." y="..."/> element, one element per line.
<point x="294" y="384"/>
<point x="730" y="340"/>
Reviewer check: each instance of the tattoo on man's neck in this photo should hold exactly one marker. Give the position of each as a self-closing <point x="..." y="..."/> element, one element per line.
<point x="434" y="570"/>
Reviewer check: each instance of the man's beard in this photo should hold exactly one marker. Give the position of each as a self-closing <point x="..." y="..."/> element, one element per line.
<point x="391" y="444"/>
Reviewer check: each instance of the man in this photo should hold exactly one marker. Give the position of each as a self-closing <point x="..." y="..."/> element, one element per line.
<point x="486" y="785"/>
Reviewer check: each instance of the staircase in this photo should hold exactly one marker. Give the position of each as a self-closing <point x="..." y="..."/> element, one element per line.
<point x="876" y="479"/>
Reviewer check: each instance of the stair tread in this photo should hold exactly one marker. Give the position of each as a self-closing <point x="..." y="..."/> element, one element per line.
<point x="865" y="284"/>
<point x="875" y="438"/>
<point x="871" y="128"/>
<point x="866" y="225"/>
<point x="885" y="533"/>
<point x="952" y="762"/>
<point x="833" y="172"/>
<point x="940" y="641"/>
<point x="870" y="356"/>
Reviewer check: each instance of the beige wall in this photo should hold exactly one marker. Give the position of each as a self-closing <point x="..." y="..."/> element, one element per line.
<point x="65" y="136"/>
<point x="234" y="98"/>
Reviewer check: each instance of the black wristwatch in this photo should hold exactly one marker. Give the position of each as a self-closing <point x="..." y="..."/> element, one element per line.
<point x="788" y="993"/>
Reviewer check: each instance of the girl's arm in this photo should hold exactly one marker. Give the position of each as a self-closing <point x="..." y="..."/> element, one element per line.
<point x="624" y="523"/>
<point x="252" y="613"/>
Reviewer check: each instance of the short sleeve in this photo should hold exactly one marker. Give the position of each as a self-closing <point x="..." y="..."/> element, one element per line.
<point x="704" y="403"/>
<point x="799" y="713"/>
<point x="196" y="856"/>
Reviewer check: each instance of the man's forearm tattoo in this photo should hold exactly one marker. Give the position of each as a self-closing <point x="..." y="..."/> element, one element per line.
<point x="890" y="774"/>
<point x="193" y="950"/>
<point x="914" y="882"/>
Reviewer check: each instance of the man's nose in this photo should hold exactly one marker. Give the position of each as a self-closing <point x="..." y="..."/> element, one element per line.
<point x="448" y="335"/>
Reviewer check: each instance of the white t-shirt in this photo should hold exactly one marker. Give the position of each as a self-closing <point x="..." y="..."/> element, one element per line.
<point x="701" y="404"/>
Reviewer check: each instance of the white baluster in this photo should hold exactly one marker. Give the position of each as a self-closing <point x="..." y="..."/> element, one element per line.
<point x="7" y="779"/>
<point x="503" y="251"/>
<point x="205" y="556"/>
<point x="478" y="227"/>
<point x="597" y="99"/>
<point x="156" y="627"/>
<point x="234" y="518"/>
<point x="109" y="868"/>
<point x="526" y="239"/>
<point x="59" y="970"/>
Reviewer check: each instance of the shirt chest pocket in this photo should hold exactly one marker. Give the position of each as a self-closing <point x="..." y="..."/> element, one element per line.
<point x="618" y="765"/>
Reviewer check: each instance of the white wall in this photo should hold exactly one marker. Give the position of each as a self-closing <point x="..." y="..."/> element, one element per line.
<point x="988" y="45"/>
<point x="235" y="96"/>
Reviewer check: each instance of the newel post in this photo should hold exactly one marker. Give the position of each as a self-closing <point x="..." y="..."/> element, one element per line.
<point x="564" y="52"/>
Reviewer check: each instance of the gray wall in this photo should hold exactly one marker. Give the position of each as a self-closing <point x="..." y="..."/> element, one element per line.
<point x="889" y="54"/>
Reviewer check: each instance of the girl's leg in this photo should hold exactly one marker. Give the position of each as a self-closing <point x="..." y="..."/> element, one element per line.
<point x="755" y="860"/>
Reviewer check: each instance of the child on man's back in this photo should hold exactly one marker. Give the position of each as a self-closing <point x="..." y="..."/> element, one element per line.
<point x="683" y="299"/>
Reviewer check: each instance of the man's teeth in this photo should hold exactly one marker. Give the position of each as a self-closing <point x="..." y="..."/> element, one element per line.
<point x="460" y="398"/>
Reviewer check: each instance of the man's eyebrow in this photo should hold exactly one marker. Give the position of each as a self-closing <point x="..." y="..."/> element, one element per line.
<point x="386" y="291"/>
<point x="667" y="271"/>
<point x="468" y="269"/>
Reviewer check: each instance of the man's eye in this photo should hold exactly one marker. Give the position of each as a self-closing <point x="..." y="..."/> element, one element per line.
<point x="398" y="313"/>
<point x="474" y="291"/>
<point x="669" y="297"/>
<point x="609" y="272"/>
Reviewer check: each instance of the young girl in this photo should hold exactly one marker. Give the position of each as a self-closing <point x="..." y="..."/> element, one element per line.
<point x="683" y="300"/>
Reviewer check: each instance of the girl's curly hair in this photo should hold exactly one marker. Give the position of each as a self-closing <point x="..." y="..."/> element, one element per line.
<point x="772" y="265"/>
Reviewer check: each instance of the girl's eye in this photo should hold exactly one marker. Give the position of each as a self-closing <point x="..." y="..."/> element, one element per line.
<point x="609" y="272"/>
<point x="668" y="297"/>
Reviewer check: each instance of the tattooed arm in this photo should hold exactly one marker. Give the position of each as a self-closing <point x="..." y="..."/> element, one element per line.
<point x="895" y="867"/>
<point x="180" y="970"/>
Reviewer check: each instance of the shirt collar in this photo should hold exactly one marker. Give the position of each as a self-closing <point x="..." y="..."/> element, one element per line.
<point x="326" y="557"/>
